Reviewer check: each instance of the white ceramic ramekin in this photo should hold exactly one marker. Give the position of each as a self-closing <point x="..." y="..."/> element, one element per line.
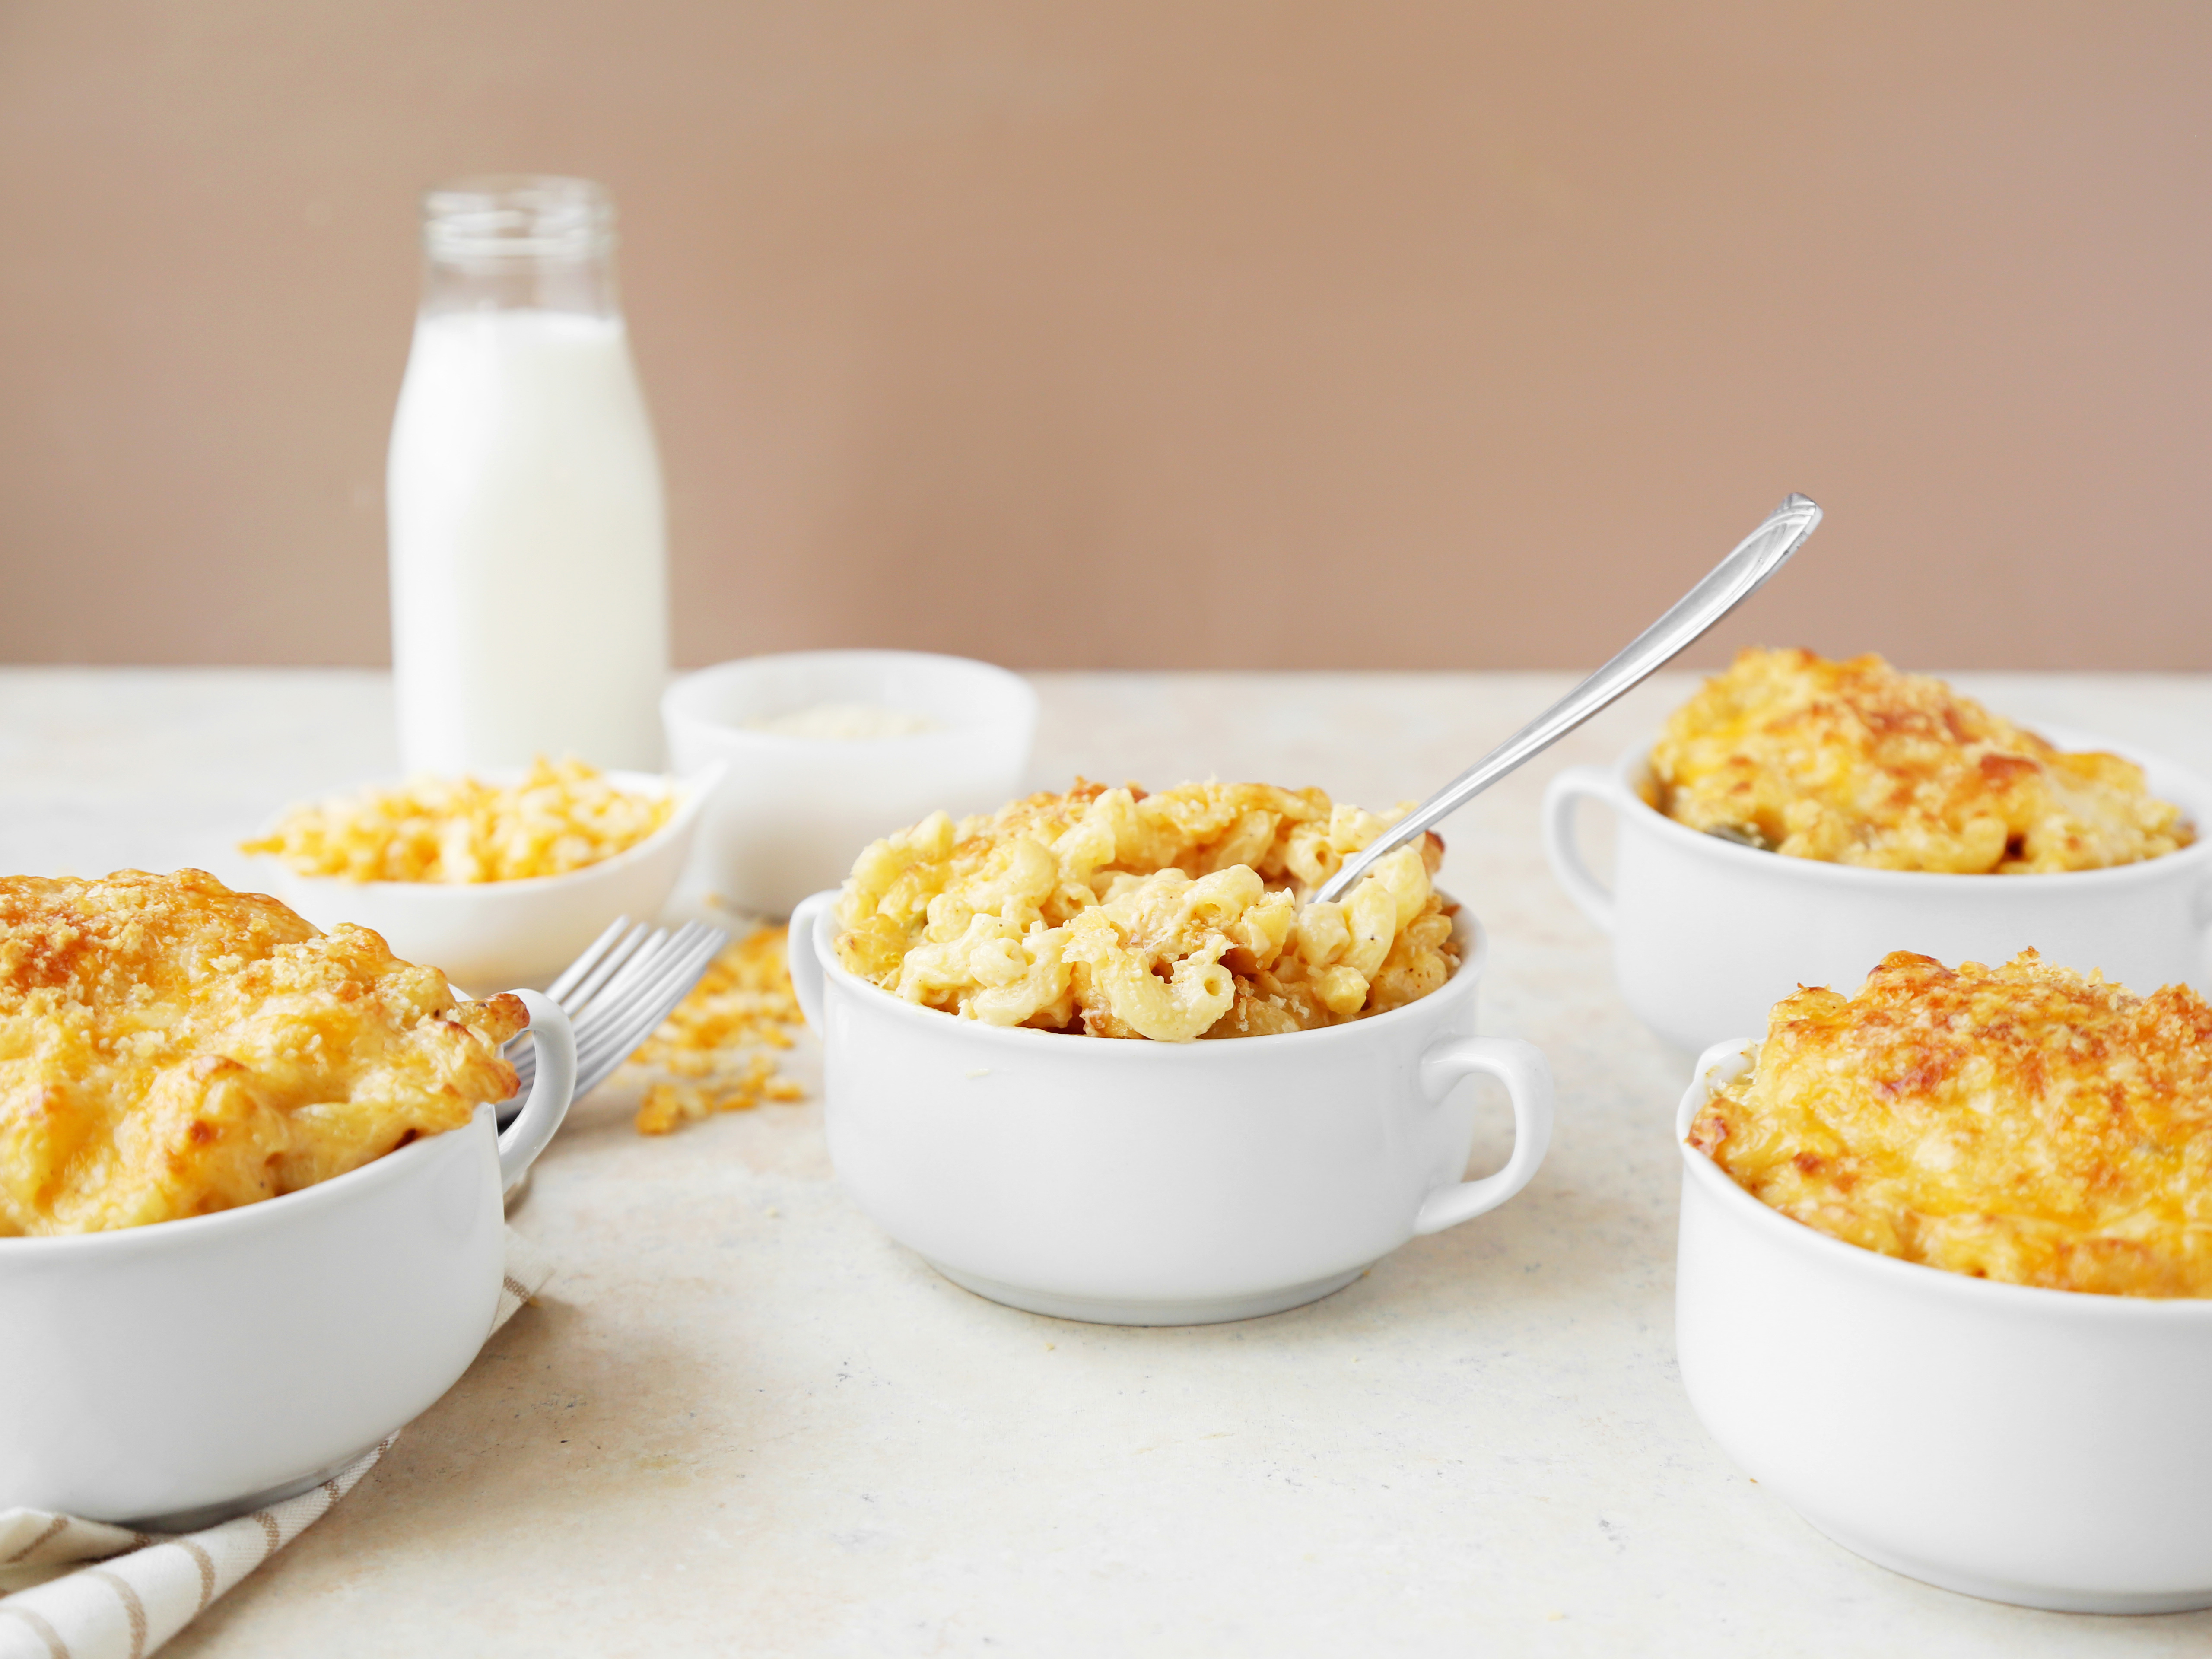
<point x="792" y="813"/>
<point x="1156" y="1183"/>
<point x="171" y="1375"/>
<point x="2046" y="1447"/>
<point x="486" y="934"/>
<point x="1709" y="935"/>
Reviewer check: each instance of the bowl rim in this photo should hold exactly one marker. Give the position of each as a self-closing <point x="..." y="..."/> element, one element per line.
<point x="686" y="689"/>
<point x="692" y="789"/>
<point x="1621" y="777"/>
<point x="1466" y="926"/>
<point x="1725" y="1061"/>
<point x="392" y="1166"/>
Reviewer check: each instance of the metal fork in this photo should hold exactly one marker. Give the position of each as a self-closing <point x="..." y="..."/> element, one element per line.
<point x="617" y="992"/>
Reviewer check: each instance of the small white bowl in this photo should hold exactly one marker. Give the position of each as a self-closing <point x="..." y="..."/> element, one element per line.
<point x="2046" y="1448"/>
<point x="487" y="933"/>
<point x="1129" y="1182"/>
<point x="792" y="813"/>
<point x="171" y="1375"/>
<point x="1709" y="935"/>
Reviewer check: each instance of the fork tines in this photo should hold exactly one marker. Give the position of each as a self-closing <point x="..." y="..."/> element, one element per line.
<point x="619" y="990"/>
<point x="634" y="1003"/>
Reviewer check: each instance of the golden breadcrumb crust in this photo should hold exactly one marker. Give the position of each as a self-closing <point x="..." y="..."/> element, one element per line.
<point x="169" y="1048"/>
<point x="1854" y="762"/>
<point x="1170" y="916"/>
<point x="2025" y="1123"/>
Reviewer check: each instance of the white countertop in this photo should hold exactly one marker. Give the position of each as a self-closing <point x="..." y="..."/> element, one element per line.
<point x="741" y="1420"/>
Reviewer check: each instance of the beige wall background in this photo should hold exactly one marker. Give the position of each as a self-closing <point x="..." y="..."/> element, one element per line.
<point x="1190" y="332"/>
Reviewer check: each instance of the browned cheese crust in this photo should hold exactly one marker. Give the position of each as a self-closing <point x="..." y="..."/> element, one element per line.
<point x="1854" y="762"/>
<point x="2024" y="1123"/>
<point x="169" y="1048"/>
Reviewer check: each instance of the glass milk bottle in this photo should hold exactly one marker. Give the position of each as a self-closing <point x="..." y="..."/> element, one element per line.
<point x="529" y="551"/>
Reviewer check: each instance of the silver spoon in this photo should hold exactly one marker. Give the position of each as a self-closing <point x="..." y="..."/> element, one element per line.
<point x="1733" y="580"/>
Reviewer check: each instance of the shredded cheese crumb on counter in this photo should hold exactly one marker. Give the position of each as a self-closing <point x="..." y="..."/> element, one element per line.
<point x="1114" y="913"/>
<point x="1854" y="762"/>
<point x="562" y="817"/>
<point x="717" y="1047"/>
<point x="2025" y="1123"/>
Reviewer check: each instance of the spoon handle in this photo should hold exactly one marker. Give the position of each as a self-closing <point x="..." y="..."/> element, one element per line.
<point x="1731" y="581"/>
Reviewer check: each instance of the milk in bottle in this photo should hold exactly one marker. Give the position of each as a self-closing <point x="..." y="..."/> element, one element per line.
<point x="529" y="554"/>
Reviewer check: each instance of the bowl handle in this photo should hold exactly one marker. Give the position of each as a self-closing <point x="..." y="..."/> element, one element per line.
<point x="1520" y="1066"/>
<point x="521" y="1142"/>
<point x="1561" y="796"/>
<point x="805" y="961"/>
<point x="1719" y="1065"/>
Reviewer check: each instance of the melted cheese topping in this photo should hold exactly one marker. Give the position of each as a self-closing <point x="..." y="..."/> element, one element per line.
<point x="169" y="1048"/>
<point x="2023" y="1123"/>
<point x="1853" y="763"/>
<point x="1169" y="916"/>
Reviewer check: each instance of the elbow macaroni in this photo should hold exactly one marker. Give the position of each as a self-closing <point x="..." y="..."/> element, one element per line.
<point x="1170" y="916"/>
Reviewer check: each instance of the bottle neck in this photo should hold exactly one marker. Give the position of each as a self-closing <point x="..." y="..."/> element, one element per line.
<point x="520" y="242"/>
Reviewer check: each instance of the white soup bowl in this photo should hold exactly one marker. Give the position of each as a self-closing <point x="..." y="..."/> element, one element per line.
<point x="792" y="813"/>
<point x="511" y="933"/>
<point x="1130" y="1182"/>
<point x="171" y="1375"/>
<point x="2046" y="1447"/>
<point x="1708" y="935"/>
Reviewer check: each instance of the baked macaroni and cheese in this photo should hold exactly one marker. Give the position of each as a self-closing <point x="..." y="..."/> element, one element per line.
<point x="169" y="1048"/>
<point x="562" y="817"/>
<point x="1170" y="916"/>
<point x="2025" y="1123"/>
<point x="1854" y="762"/>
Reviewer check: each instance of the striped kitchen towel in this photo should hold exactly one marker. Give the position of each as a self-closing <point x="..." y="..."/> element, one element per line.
<point x="84" y="1590"/>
